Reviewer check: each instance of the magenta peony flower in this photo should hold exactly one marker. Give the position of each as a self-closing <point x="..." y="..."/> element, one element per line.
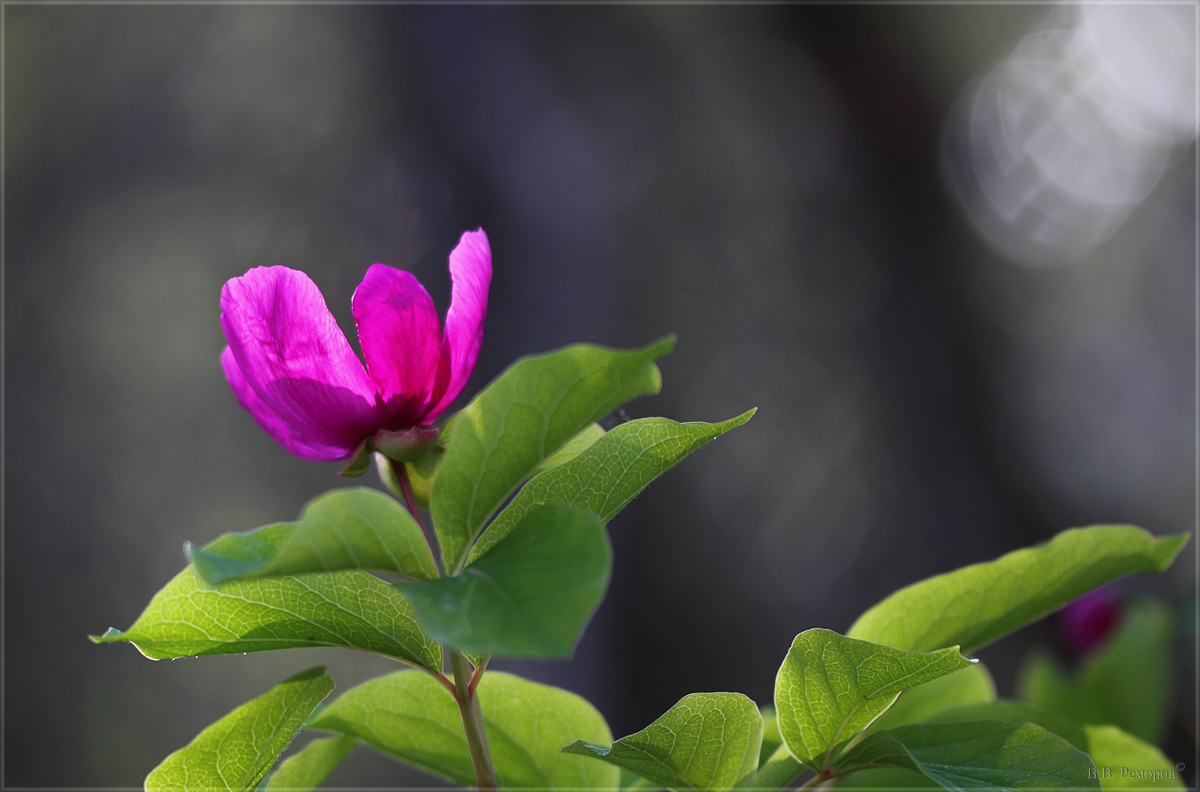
<point x="292" y="368"/>
<point x="1088" y="622"/>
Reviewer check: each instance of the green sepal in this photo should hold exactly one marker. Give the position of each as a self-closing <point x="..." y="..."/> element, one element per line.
<point x="422" y="472"/>
<point x="406" y="445"/>
<point x="358" y="463"/>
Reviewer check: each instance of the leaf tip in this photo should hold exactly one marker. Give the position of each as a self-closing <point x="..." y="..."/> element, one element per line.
<point x="1172" y="546"/>
<point x="204" y="564"/>
<point x="744" y="417"/>
<point x="585" y="748"/>
<point x="109" y="635"/>
<point x="664" y="345"/>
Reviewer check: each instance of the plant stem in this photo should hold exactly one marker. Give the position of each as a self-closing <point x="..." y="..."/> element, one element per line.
<point x="479" y="669"/>
<point x="817" y="780"/>
<point x="410" y="501"/>
<point x="463" y="688"/>
<point x="472" y="719"/>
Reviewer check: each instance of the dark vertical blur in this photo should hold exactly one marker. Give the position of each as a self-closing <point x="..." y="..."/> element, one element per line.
<point x="765" y="181"/>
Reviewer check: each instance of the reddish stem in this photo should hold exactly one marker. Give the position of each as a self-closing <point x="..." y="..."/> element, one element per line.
<point x="440" y="677"/>
<point x="410" y="501"/>
<point x="475" y="677"/>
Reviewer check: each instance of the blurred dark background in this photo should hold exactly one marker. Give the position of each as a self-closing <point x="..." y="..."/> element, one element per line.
<point x="776" y="184"/>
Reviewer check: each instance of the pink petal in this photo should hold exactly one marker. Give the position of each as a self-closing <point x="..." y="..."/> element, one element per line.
<point x="471" y="275"/>
<point x="270" y="421"/>
<point x="295" y="358"/>
<point x="400" y="334"/>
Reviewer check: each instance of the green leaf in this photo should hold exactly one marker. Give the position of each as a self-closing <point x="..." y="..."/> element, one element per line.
<point x="1126" y="684"/>
<point x="308" y="769"/>
<point x="977" y="604"/>
<point x="356" y="610"/>
<point x="1130" y="762"/>
<point x="777" y="772"/>
<point x="984" y="754"/>
<point x="772" y="739"/>
<point x="531" y="596"/>
<point x="524" y="416"/>
<point x="970" y="685"/>
<point x="831" y="687"/>
<point x="1125" y="762"/>
<point x="610" y="473"/>
<point x="411" y="717"/>
<point x="1017" y="712"/>
<point x="237" y="751"/>
<point x="356" y="528"/>
<point x="707" y="741"/>
<point x="572" y="448"/>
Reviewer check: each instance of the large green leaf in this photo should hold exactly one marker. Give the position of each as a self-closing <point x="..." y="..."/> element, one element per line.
<point x="831" y="687"/>
<point x="977" y="604"/>
<point x="189" y="618"/>
<point x="237" y="751"/>
<point x="524" y="416"/>
<point x="1122" y="760"/>
<point x="1125" y="762"/>
<point x="355" y="528"/>
<point x="1016" y="712"/>
<point x="970" y="685"/>
<point x="1126" y="684"/>
<point x="411" y="717"/>
<point x="983" y="754"/>
<point x="531" y="596"/>
<point x="308" y="769"/>
<point x="707" y="741"/>
<point x="609" y="473"/>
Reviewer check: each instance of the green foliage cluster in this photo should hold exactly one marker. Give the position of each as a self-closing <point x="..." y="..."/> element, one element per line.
<point x="895" y="703"/>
